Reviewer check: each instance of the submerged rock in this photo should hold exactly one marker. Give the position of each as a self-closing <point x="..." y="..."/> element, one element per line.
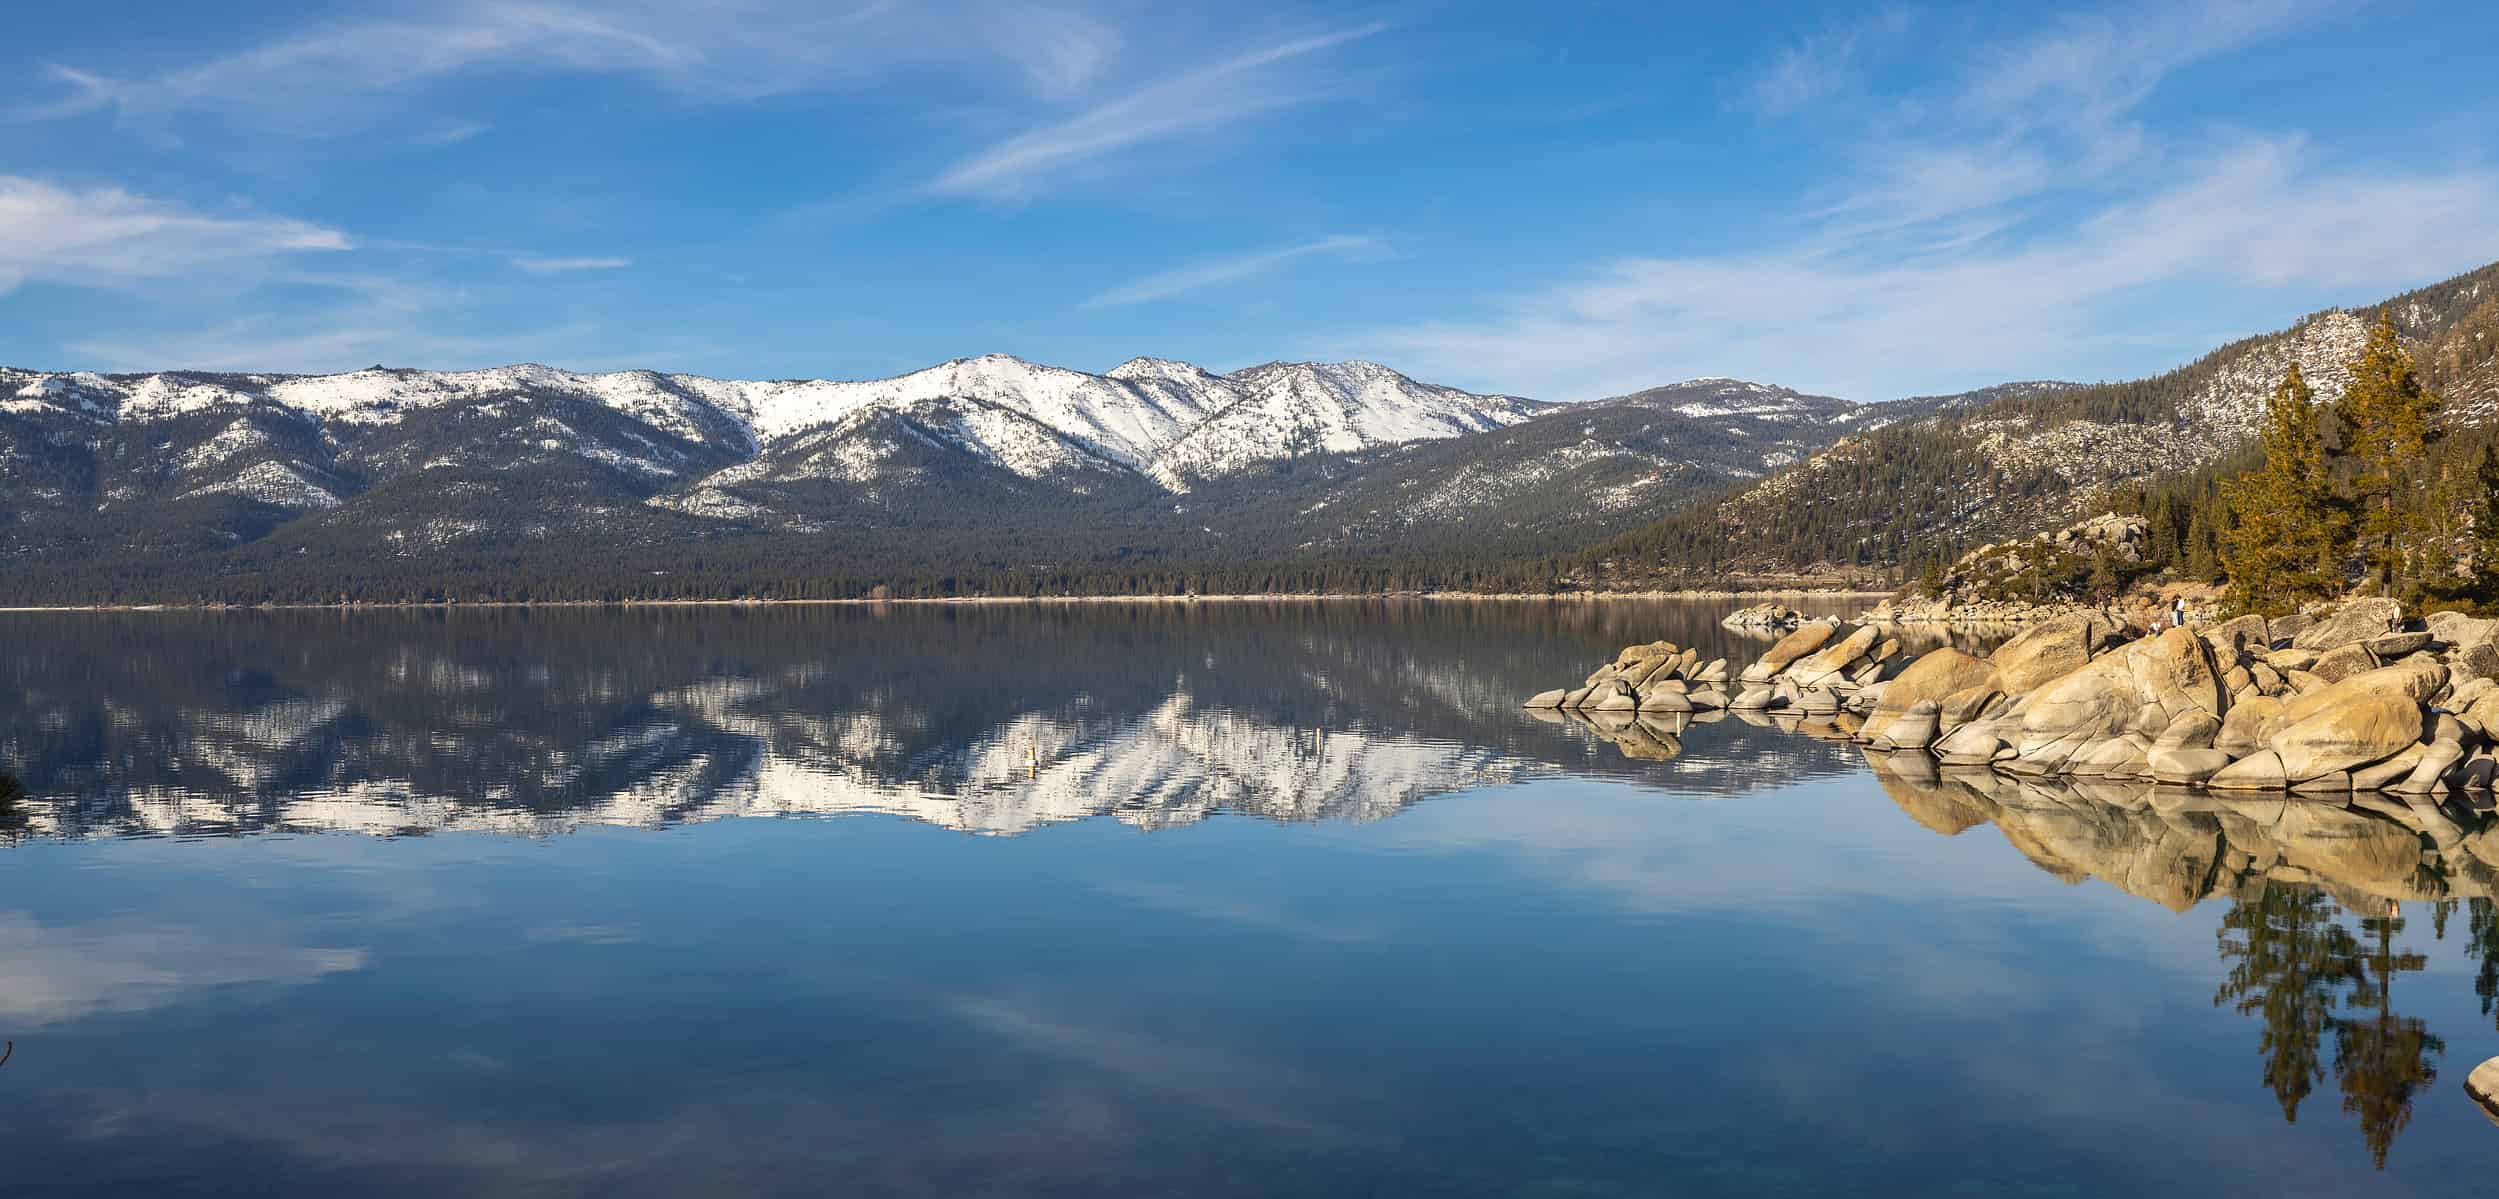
<point x="1763" y="616"/>
<point x="2483" y="1085"/>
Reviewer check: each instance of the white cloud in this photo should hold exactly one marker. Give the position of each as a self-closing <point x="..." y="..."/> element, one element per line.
<point x="1232" y="90"/>
<point x="1996" y="224"/>
<point x="2053" y="109"/>
<point x="558" y="266"/>
<point x="1826" y="64"/>
<point x="328" y="77"/>
<point x="1163" y="285"/>
<point x="1826" y="315"/>
<point x="53" y="974"/>
<point x="110" y="236"/>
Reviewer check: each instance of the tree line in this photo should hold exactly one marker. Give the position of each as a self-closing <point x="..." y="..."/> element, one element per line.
<point x="2369" y="493"/>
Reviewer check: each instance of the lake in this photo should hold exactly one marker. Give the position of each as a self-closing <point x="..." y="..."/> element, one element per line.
<point x="1205" y="899"/>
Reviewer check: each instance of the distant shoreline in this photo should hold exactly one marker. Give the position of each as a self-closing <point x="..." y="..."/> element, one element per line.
<point x="1575" y="597"/>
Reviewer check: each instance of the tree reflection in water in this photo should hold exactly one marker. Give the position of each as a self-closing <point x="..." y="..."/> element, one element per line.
<point x="2482" y="931"/>
<point x="2300" y="970"/>
<point x="2289" y="958"/>
<point x="2312" y="941"/>
<point x="2382" y="1059"/>
<point x="12" y="808"/>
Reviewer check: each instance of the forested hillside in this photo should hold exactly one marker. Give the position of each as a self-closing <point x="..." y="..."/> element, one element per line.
<point x="1924" y="490"/>
<point x="995" y="476"/>
<point x="978" y="477"/>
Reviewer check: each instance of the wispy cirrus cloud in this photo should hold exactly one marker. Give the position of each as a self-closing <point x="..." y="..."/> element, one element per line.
<point x="1828" y="315"/>
<point x="532" y="264"/>
<point x="1195" y="276"/>
<point x="331" y="76"/>
<point x="2058" y="109"/>
<point x="106" y="235"/>
<point x="1996" y="224"/>
<point x="1826" y="63"/>
<point x="1234" y="89"/>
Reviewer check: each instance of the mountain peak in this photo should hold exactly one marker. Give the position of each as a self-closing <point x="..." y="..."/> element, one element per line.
<point x="1142" y="367"/>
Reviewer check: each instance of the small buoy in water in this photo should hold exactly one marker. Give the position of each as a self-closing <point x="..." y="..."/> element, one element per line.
<point x="2483" y="1085"/>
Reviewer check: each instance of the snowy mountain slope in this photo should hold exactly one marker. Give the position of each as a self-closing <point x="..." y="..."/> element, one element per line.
<point x="979" y="467"/>
<point x="1291" y="410"/>
<point x="1172" y="421"/>
<point x="2021" y="458"/>
<point x="1108" y="416"/>
<point x="403" y="463"/>
<point x="1575" y="474"/>
<point x="950" y="453"/>
<point x="2039" y="461"/>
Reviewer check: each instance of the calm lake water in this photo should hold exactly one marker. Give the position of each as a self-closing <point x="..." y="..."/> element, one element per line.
<point x="1154" y="900"/>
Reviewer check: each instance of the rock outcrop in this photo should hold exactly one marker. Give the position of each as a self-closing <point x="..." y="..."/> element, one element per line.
<point x="1659" y="677"/>
<point x="2349" y="699"/>
<point x="1764" y="616"/>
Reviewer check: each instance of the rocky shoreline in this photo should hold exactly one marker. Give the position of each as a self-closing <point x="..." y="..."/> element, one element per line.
<point x="2356" y="698"/>
<point x="1980" y="613"/>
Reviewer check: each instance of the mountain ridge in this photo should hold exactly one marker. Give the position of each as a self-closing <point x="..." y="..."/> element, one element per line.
<point x="1156" y="474"/>
<point x="2018" y="458"/>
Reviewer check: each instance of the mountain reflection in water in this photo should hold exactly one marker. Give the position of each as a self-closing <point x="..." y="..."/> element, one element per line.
<point x="2349" y="939"/>
<point x="989" y="720"/>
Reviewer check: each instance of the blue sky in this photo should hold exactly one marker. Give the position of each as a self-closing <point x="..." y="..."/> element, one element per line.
<point x="1559" y="200"/>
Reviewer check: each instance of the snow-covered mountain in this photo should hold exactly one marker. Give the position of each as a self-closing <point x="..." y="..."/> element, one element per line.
<point x="980" y="468"/>
<point x="1168" y="421"/>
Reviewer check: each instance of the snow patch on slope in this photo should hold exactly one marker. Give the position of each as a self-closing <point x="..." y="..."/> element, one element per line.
<point x="273" y="483"/>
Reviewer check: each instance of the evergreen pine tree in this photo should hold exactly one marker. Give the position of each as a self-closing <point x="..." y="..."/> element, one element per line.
<point x="2480" y="539"/>
<point x="2392" y="421"/>
<point x="2442" y="552"/>
<point x="2285" y="539"/>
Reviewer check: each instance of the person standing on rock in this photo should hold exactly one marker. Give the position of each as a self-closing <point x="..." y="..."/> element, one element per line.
<point x="2178" y="612"/>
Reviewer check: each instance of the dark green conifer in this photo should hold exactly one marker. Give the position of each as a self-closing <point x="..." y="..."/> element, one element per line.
<point x="2286" y="534"/>
<point x="2392" y="420"/>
